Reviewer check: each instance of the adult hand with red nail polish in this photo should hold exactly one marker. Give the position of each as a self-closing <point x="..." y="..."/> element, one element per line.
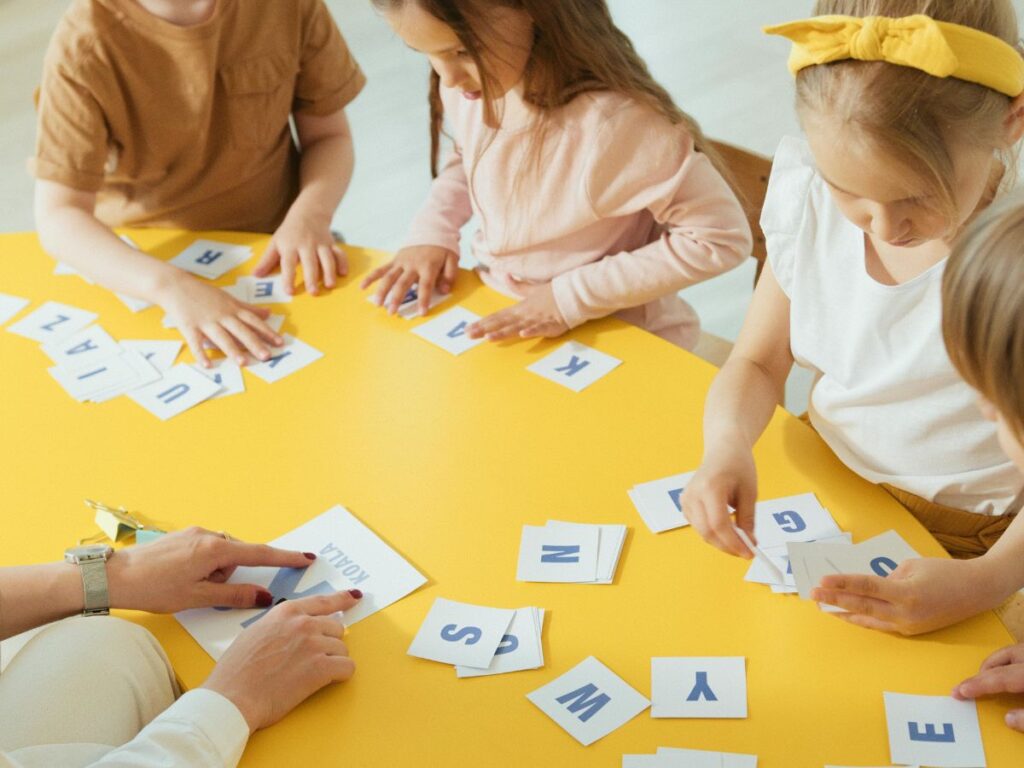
<point x="188" y="569"/>
<point x="285" y="657"/>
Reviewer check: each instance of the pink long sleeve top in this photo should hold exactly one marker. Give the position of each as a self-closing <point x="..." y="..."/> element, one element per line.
<point x="619" y="214"/>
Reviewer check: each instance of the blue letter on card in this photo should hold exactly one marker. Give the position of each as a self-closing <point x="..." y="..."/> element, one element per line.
<point x="560" y="553"/>
<point x="209" y="257"/>
<point x="790" y="521"/>
<point x="453" y="634"/>
<point x="883" y="566"/>
<point x="583" y="698"/>
<point x="574" y="366"/>
<point x="701" y="689"/>
<point x="458" y="330"/>
<point x="508" y="644"/>
<point x="930" y="734"/>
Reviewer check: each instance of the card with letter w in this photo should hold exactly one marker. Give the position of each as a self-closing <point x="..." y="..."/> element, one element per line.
<point x="349" y="555"/>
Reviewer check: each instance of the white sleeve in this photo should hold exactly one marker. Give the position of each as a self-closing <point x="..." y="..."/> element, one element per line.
<point x="786" y="207"/>
<point x="201" y="729"/>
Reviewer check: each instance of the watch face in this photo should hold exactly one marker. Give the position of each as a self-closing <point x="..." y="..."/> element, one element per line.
<point x="91" y="550"/>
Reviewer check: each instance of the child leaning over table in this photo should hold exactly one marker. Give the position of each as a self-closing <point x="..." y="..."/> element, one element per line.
<point x="983" y="307"/>
<point x="175" y="113"/>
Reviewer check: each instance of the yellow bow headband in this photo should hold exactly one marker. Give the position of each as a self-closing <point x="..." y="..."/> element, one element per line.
<point x="937" y="47"/>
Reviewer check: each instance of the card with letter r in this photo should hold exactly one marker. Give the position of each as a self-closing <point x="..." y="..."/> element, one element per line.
<point x="448" y="330"/>
<point x="575" y="366"/>
<point x="210" y="259"/>
<point x="285" y="360"/>
<point x="349" y="555"/>
<point x="937" y="731"/>
<point x="559" y="553"/>
<point x="52" y="321"/>
<point x="589" y="701"/>
<point x="460" y="633"/>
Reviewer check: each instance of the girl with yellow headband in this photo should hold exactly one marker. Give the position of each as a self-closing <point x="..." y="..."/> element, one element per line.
<point x="912" y="110"/>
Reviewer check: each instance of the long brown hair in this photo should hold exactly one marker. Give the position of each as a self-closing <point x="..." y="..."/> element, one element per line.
<point x="577" y="49"/>
<point x="906" y="112"/>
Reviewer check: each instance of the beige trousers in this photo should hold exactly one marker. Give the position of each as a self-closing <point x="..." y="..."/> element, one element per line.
<point x="80" y="688"/>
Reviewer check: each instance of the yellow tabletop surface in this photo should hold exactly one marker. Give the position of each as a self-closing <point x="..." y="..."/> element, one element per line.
<point x="446" y="458"/>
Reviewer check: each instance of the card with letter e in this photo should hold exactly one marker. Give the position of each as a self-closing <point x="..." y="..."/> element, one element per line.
<point x="558" y="553"/>
<point x="460" y="633"/>
<point x="210" y="259"/>
<point x="448" y="330"/>
<point x="938" y="731"/>
<point x="575" y="366"/>
<point x="349" y="555"/>
<point x="589" y="701"/>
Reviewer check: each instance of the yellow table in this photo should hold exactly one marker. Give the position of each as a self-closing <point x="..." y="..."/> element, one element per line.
<point x="447" y="458"/>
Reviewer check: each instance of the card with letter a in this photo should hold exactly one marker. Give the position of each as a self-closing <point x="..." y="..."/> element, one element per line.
<point x="349" y="555"/>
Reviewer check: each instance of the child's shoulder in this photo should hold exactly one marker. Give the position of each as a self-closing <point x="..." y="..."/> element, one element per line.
<point x="81" y="32"/>
<point x="794" y="187"/>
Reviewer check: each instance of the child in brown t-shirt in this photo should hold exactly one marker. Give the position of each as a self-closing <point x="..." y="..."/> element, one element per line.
<point x="174" y="113"/>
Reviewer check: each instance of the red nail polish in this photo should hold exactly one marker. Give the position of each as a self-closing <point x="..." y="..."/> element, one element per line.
<point x="264" y="599"/>
<point x="356" y="593"/>
<point x="309" y="555"/>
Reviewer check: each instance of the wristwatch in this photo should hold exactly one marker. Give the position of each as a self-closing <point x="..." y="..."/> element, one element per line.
<point x="93" y="561"/>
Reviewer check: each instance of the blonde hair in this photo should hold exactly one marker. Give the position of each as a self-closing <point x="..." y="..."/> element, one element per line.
<point x="983" y="308"/>
<point x="577" y="49"/>
<point x="908" y="113"/>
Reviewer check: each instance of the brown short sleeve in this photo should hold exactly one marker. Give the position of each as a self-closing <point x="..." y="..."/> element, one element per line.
<point x="72" y="134"/>
<point x="329" y="77"/>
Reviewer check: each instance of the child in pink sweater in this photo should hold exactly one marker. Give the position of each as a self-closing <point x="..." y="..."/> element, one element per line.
<point x="595" y="194"/>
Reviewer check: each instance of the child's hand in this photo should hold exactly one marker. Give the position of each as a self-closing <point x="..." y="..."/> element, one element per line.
<point x="921" y="595"/>
<point x="1002" y="672"/>
<point x="727" y="478"/>
<point x="425" y="266"/>
<point x="536" y="315"/>
<point x="204" y="311"/>
<point x="305" y="240"/>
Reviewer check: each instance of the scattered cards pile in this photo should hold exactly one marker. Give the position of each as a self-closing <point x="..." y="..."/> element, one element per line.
<point x="479" y="640"/>
<point x="570" y="552"/>
<point x="349" y="555"/>
<point x="880" y="556"/>
<point x="667" y="757"/>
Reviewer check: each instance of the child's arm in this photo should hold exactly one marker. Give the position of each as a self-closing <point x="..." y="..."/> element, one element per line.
<point x="304" y="236"/>
<point x="431" y="257"/>
<point x="639" y="162"/>
<point x="930" y="593"/>
<point x="740" y="403"/>
<point x="70" y="232"/>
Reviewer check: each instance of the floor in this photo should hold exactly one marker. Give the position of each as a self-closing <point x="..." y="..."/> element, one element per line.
<point x="710" y="54"/>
